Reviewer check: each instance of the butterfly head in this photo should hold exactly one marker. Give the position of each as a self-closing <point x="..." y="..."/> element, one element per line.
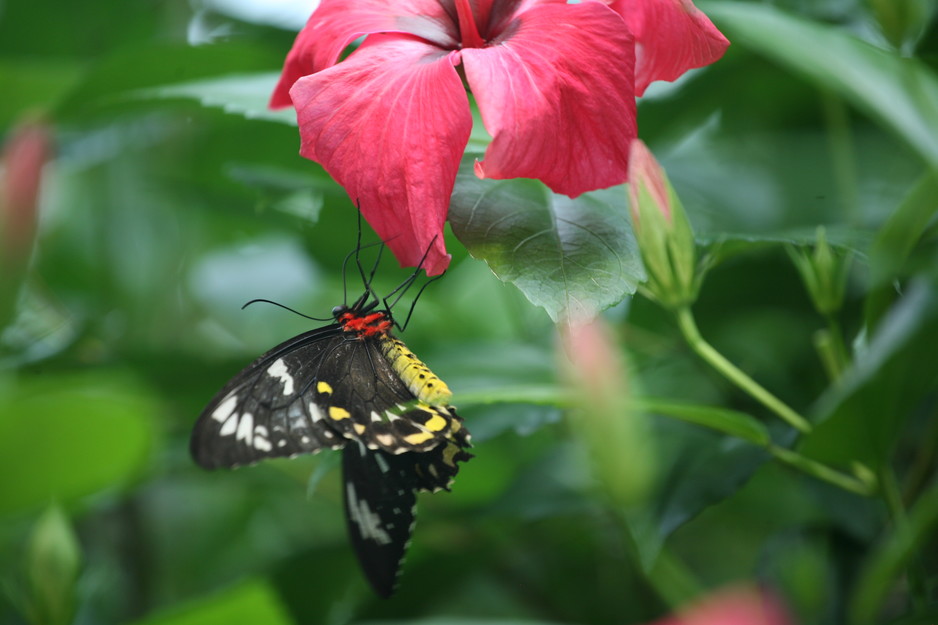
<point x="360" y="320"/>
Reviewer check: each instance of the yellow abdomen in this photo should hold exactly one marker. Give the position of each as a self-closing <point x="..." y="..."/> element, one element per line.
<point x="422" y="382"/>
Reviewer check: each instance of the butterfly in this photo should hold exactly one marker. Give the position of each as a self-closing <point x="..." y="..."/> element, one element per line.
<point x="350" y="385"/>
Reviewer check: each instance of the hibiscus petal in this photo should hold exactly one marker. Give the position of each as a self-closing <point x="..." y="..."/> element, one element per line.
<point x="671" y="37"/>
<point x="390" y="124"/>
<point x="556" y="95"/>
<point x="337" y="23"/>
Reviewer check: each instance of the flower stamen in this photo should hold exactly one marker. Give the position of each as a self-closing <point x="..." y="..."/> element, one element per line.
<point x="468" y="30"/>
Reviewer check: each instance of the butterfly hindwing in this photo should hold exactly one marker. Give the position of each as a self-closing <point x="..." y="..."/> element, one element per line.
<point x="379" y="490"/>
<point x="380" y="507"/>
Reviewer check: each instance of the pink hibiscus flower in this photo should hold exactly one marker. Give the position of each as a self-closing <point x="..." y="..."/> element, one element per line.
<point x="555" y="84"/>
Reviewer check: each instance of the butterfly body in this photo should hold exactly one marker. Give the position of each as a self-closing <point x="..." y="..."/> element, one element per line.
<point x="349" y="385"/>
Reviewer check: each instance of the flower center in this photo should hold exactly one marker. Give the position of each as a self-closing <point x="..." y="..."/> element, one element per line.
<point x="468" y="30"/>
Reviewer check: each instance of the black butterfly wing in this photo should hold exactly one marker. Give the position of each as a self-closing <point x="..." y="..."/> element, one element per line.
<point x="369" y="401"/>
<point x="380" y="507"/>
<point x="381" y="504"/>
<point x="265" y="410"/>
<point x="315" y="391"/>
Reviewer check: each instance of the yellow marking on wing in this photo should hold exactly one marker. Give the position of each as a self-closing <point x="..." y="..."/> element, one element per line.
<point x="418" y="438"/>
<point x="436" y="423"/>
<point x="338" y="413"/>
<point x="449" y="453"/>
<point x="359" y="428"/>
<point x="323" y="387"/>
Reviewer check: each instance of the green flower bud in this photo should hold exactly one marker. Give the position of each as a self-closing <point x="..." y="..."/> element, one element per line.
<point x="823" y="272"/>
<point x="665" y="238"/>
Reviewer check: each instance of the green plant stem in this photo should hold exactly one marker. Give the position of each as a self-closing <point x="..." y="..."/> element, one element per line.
<point x="551" y="395"/>
<point x="839" y="349"/>
<point x="842" y="151"/>
<point x="731" y="372"/>
<point x="892" y="496"/>
<point x="821" y="471"/>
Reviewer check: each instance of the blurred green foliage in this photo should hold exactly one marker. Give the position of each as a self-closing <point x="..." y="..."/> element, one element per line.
<point x="173" y="197"/>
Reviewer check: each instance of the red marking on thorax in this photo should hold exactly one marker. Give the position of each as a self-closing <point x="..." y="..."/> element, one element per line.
<point x="372" y="324"/>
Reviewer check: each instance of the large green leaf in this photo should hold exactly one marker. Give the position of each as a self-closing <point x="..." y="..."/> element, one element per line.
<point x="900" y="93"/>
<point x="249" y="602"/>
<point x="66" y="436"/>
<point x="116" y="78"/>
<point x="242" y="94"/>
<point x="573" y="257"/>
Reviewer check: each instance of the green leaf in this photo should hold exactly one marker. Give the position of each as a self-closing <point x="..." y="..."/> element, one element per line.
<point x="858" y="419"/>
<point x="901" y="93"/>
<point x="67" y="436"/>
<point x="250" y="602"/>
<point x="127" y="71"/>
<point x="895" y="242"/>
<point x="730" y="422"/>
<point x="888" y="561"/>
<point x="242" y="94"/>
<point x="573" y="257"/>
<point x="29" y="85"/>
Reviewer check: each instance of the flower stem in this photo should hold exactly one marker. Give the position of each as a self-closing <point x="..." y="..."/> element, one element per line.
<point x="731" y="372"/>
<point x="822" y="471"/>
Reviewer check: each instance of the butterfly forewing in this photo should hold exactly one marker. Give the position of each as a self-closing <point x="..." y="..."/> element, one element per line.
<point x="264" y="412"/>
<point x="317" y="391"/>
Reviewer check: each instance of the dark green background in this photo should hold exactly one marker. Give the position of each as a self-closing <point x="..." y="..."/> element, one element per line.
<point x="173" y="198"/>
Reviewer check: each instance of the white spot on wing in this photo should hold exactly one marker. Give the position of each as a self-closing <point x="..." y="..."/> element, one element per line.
<point x="260" y="439"/>
<point x="224" y="409"/>
<point x="369" y="523"/>
<point x="279" y="370"/>
<point x="315" y="412"/>
<point x="230" y="426"/>
<point x="382" y="463"/>
<point x="245" y="428"/>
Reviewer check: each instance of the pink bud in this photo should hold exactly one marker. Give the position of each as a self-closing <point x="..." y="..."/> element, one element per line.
<point x="646" y="173"/>
<point x="24" y="155"/>
<point x="734" y="606"/>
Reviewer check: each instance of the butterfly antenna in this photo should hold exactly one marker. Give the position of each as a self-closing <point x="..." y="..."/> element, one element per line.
<point x="402" y="288"/>
<point x="369" y="292"/>
<point x="413" y="304"/>
<point x="267" y="301"/>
